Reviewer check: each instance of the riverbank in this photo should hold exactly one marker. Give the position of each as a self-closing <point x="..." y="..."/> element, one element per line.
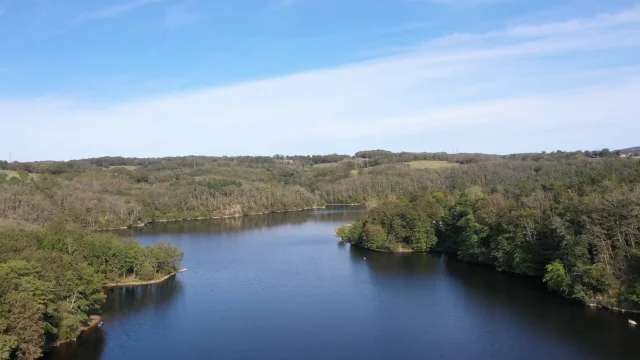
<point x="400" y="251"/>
<point x="136" y="282"/>
<point x="141" y="225"/>
<point x="94" y="322"/>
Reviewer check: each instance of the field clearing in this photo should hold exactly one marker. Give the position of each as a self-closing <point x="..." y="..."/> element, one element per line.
<point x="14" y="174"/>
<point x="430" y="164"/>
<point x="122" y="167"/>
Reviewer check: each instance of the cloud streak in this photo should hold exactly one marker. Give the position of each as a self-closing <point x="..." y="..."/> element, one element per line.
<point x="543" y="87"/>
<point x="118" y="10"/>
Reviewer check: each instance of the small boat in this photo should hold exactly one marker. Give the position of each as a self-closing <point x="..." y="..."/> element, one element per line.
<point x="633" y="323"/>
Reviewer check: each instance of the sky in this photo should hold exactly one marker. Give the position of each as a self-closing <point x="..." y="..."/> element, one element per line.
<point x="149" y="78"/>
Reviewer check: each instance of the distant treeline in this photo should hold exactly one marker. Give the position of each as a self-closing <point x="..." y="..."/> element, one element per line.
<point x="115" y="192"/>
<point x="576" y="227"/>
<point x="373" y="157"/>
<point x="50" y="281"/>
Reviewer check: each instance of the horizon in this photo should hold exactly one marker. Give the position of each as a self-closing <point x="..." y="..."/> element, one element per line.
<point x="261" y="77"/>
<point x="325" y="154"/>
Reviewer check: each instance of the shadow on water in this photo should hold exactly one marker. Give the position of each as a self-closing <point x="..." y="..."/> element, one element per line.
<point x="602" y="334"/>
<point x="89" y="346"/>
<point x="126" y="301"/>
<point x="121" y="302"/>
<point x="249" y="222"/>
<point x="405" y="264"/>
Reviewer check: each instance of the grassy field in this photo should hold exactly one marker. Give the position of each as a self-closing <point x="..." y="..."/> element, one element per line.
<point x="430" y="164"/>
<point x="123" y="167"/>
<point x="14" y="174"/>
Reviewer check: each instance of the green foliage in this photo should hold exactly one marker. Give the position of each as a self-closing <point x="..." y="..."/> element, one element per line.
<point x="579" y="234"/>
<point x="50" y="281"/>
<point x="633" y="294"/>
<point x="557" y="278"/>
<point x="115" y="191"/>
<point x="147" y="272"/>
<point x="396" y="226"/>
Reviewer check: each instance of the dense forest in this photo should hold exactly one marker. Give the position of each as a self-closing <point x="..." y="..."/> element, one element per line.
<point x="577" y="227"/>
<point x="50" y="281"/>
<point x="115" y="192"/>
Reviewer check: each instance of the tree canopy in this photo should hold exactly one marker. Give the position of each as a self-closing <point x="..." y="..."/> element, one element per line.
<point x="50" y="282"/>
<point x="578" y="233"/>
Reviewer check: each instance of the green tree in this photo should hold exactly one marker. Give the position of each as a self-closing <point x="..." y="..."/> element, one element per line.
<point x="557" y="278"/>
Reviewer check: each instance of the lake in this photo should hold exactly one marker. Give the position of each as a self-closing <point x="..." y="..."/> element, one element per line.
<point x="282" y="286"/>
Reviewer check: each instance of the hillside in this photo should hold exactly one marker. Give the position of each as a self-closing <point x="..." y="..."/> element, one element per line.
<point x="115" y="191"/>
<point x="632" y="150"/>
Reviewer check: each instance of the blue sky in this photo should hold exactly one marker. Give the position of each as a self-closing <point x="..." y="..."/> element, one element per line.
<point x="259" y="77"/>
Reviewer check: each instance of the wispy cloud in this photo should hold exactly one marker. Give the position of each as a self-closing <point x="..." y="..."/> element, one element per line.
<point x="4" y="6"/>
<point x="182" y="14"/>
<point x="119" y="9"/>
<point x="540" y="87"/>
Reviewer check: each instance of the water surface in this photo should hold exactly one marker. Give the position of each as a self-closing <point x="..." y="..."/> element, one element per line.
<point x="281" y="286"/>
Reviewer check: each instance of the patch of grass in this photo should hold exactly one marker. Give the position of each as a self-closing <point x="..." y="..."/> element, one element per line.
<point x="430" y="164"/>
<point x="14" y="174"/>
<point x="122" y="167"/>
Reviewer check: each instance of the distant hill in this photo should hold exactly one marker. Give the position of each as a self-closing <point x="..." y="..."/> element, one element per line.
<point x="632" y="149"/>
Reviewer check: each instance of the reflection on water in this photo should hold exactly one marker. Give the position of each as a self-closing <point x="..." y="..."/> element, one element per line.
<point x="89" y="346"/>
<point x="121" y="302"/>
<point x="601" y="334"/>
<point x="125" y="301"/>
<point x="404" y="264"/>
<point x="242" y="223"/>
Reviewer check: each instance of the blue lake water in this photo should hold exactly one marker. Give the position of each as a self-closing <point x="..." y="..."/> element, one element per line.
<point x="282" y="286"/>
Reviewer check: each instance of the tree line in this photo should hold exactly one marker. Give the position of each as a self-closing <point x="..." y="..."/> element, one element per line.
<point x="579" y="233"/>
<point x="196" y="187"/>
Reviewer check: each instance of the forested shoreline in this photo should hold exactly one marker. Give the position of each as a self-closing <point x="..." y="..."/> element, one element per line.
<point x="51" y="281"/>
<point x="579" y="233"/>
<point x="118" y="192"/>
<point x="571" y="218"/>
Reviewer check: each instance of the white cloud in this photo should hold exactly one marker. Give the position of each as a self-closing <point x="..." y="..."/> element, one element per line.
<point x="539" y="78"/>
<point x="119" y="9"/>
